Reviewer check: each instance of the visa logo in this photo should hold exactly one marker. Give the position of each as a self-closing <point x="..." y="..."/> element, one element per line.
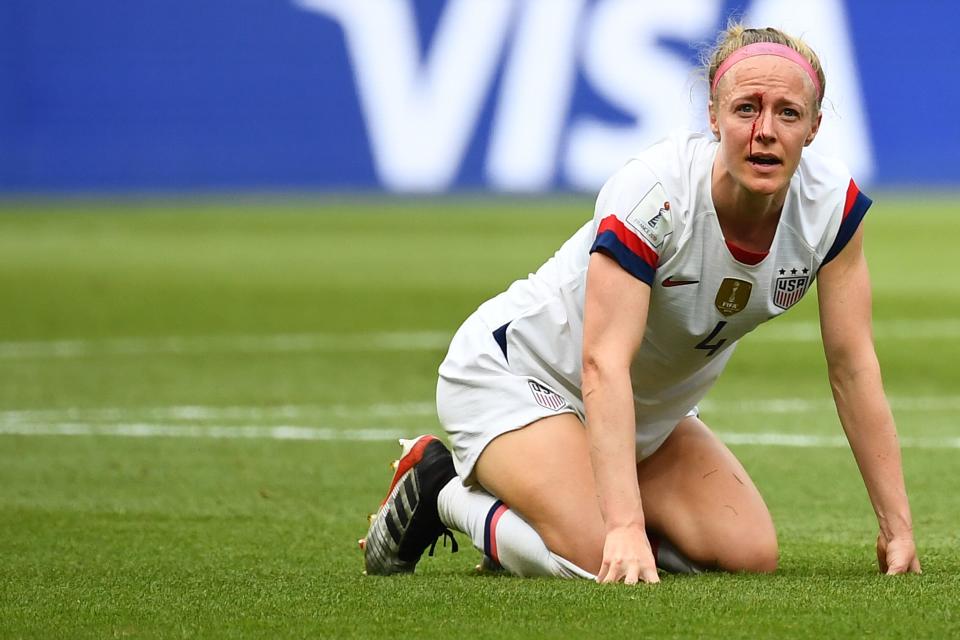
<point x="423" y="111"/>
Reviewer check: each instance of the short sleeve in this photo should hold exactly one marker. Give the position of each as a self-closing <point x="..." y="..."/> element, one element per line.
<point x="633" y="220"/>
<point x="855" y="206"/>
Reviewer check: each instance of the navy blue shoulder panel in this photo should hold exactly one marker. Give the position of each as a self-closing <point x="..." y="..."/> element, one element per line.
<point x="848" y="226"/>
<point x="500" y="335"/>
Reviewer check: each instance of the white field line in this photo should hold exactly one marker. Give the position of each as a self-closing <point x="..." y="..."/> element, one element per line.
<point x="804" y="405"/>
<point x="299" y="432"/>
<point x="808" y="440"/>
<point x="219" y="432"/>
<point x="234" y="414"/>
<point x="226" y="422"/>
<point x="382" y="411"/>
<point x="882" y="330"/>
<point x="394" y="341"/>
<point x="277" y="343"/>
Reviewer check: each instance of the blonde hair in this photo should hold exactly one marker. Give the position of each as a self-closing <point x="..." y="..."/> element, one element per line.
<point x="737" y="36"/>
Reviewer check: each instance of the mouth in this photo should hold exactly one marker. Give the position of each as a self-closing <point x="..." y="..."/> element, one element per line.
<point x="764" y="160"/>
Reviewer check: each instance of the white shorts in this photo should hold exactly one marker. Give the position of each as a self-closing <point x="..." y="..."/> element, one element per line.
<point x="480" y="397"/>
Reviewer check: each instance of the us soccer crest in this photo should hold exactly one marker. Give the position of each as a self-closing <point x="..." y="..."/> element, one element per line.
<point x="790" y="286"/>
<point x="546" y="397"/>
<point x="733" y="296"/>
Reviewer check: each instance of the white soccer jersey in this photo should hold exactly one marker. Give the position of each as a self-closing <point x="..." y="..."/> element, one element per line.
<point x="656" y="218"/>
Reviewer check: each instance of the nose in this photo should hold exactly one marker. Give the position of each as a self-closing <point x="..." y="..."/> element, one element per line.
<point x="763" y="129"/>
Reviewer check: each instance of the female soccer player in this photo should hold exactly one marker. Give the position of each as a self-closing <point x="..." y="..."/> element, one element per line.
<point x="571" y="398"/>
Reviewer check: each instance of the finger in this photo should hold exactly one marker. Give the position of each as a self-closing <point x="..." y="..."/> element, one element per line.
<point x="881" y="553"/>
<point x="632" y="575"/>
<point x="882" y="560"/>
<point x="896" y="566"/>
<point x="614" y="572"/>
<point x="915" y="566"/>
<point x="650" y="575"/>
<point x="604" y="569"/>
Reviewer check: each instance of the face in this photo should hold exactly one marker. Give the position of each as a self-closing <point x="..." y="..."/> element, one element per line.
<point x="764" y="114"/>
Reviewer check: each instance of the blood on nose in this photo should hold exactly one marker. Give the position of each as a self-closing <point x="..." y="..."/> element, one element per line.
<point x="756" y="121"/>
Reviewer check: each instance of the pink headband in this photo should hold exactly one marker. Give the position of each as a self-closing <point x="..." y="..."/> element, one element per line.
<point x="766" y="49"/>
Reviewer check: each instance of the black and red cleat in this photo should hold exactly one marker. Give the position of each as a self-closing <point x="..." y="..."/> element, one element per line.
<point x="408" y="522"/>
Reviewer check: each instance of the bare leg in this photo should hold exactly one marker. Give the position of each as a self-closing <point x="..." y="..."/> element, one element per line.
<point x="695" y="493"/>
<point x="698" y="495"/>
<point x="543" y="472"/>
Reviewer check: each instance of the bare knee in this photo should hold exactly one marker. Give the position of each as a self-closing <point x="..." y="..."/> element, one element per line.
<point x="749" y="554"/>
<point x="741" y="545"/>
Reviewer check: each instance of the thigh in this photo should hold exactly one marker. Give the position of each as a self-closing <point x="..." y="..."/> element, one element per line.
<point x="697" y="494"/>
<point x="543" y="472"/>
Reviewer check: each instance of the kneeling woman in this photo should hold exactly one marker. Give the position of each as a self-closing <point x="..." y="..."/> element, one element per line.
<point x="571" y="398"/>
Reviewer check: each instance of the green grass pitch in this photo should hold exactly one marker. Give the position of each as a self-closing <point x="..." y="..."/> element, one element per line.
<point x="197" y="401"/>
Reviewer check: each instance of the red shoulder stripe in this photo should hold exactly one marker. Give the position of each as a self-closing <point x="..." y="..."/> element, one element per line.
<point x="629" y="239"/>
<point x="852" y="192"/>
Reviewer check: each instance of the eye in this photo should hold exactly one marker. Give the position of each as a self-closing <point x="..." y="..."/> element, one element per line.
<point x="745" y="107"/>
<point x="792" y="114"/>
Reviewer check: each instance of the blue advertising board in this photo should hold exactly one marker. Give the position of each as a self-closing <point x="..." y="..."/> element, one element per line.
<point x="434" y="96"/>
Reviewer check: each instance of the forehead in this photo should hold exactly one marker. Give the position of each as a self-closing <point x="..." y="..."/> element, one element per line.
<point x="767" y="74"/>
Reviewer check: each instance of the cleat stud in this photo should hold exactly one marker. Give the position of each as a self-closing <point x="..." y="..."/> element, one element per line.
<point x="395" y="465"/>
<point x="362" y="543"/>
<point x="403" y="443"/>
<point x="364" y="572"/>
<point x="371" y="518"/>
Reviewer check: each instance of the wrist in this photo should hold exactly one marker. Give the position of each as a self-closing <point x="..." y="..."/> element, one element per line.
<point x="632" y="523"/>
<point x="896" y="527"/>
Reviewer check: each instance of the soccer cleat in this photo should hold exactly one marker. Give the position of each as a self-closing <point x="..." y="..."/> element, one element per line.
<point x="408" y="522"/>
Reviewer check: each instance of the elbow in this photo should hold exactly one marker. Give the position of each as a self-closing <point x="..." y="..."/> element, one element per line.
<point x="842" y="380"/>
<point x="591" y="365"/>
<point x="589" y="374"/>
<point x="854" y="378"/>
<point x="839" y="377"/>
<point x="599" y="370"/>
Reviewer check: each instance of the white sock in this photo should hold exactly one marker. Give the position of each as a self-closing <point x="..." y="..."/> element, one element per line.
<point x="500" y="534"/>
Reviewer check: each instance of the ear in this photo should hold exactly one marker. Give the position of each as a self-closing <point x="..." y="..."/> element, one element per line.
<point x="712" y="116"/>
<point x="813" y="130"/>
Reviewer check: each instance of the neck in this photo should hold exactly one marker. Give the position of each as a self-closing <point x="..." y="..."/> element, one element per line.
<point x="746" y="218"/>
<point x="732" y="200"/>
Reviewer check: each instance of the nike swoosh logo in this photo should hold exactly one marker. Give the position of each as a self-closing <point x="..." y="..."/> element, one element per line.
<point x="670" y="282"/>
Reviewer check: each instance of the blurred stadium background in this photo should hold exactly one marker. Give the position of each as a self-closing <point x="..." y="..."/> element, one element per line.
<point x="435" y="95"/>
<point x="239" y="233"/>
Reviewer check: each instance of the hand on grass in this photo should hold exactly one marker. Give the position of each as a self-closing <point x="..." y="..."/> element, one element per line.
<point x="897" y="555"/>
<point x="627" y="557"/>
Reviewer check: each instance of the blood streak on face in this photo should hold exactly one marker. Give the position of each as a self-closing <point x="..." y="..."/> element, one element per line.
<point x="753" y="127"/>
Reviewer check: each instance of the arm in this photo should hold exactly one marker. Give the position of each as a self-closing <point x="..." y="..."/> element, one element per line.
<point x="845" y="323"/>
<point x="615" y="313"/>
